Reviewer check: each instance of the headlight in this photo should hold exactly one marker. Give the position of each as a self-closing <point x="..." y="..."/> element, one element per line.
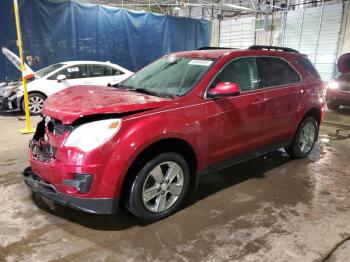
<point x="92" y="135"/>
<point x="19" y="93"/>
<point x="9" y="91"/>
<point x="333" y="85"/>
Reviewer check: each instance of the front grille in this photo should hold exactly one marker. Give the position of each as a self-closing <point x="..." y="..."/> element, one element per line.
<point x="42" y="150"/>
<point x="57" y="128"/>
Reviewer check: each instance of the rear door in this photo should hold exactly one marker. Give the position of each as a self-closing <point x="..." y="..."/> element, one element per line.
<point x="283" y="91"/>
<point x="235" y="123"/>
<point x="103" y="75"/>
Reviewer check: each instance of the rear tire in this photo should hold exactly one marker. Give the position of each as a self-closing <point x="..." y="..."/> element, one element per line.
<point x="159" y="188"/>
<point x="332" y="106"/>
<point x="36" y="103"/>
<point x="305" y="138"/>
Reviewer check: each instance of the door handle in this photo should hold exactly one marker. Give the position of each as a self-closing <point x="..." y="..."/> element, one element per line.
<point x="256" y="101"/>
<point x="259" y="101"/>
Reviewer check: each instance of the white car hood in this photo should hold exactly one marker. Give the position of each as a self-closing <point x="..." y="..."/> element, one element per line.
<point x="14" y="59"/>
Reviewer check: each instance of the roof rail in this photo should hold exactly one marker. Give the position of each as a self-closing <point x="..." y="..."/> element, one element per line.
<point x="213" y="47"/>
<point x="275" y="48"/>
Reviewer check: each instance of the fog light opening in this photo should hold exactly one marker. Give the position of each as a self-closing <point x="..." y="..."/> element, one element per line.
<point x="81" y="182"/>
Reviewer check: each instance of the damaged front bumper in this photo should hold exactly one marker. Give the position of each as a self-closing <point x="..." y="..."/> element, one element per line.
<point x="10" y="103"/>
<point x="88" y="205"/>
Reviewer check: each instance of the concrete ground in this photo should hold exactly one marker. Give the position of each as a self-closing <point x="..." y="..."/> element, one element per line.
<point x="268" y="209"/>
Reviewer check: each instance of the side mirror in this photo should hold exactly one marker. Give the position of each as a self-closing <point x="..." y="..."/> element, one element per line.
<point x="60" y="78"/>
<point x="225" y="89"/>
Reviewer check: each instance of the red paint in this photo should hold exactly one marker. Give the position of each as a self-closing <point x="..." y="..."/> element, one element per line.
<point x="216" y="128"/>
<point x="225" y="89"/>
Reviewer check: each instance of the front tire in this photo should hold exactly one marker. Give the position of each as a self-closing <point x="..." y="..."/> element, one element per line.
<point x="35" y="103"/>
<point x="159" y="188"/>
<point x="305" y="138"/>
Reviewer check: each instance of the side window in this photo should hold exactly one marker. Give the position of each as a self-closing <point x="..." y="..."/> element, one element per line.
<point x="308" y="66"/>
<point x="275" y="72"/>
<point x="102" y="70"/>
<point x="241" y="71"/>
<point x="72" y="72"/>
<point x="116" y="72"/>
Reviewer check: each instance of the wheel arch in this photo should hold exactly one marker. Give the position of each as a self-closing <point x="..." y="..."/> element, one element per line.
<point x="32" y="92"/>
<point x="314" y="112"/>
<point x="176" y="145"/>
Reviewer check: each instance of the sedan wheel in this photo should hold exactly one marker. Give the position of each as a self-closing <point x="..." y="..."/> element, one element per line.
<point x="35" y="103"/>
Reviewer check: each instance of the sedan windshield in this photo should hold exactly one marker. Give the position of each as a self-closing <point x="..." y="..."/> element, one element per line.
<point x="47" y="70"/>
<point x="171" y="75"/>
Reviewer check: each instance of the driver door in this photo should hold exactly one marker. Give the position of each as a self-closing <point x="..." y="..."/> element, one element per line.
<point x="75" y="75"/>
<point x="235" y="123"/>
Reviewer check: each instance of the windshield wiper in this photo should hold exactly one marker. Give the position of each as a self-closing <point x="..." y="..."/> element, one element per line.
<point x="152" y="93"/>
<point x="143" y="91"/>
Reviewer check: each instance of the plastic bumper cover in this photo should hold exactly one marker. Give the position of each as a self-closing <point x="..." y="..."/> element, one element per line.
<point x="10" y="104"/>
<point x="88" y="205"/>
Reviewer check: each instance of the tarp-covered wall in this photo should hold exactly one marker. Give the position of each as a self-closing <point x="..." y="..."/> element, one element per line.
<point x="62" y="30"/>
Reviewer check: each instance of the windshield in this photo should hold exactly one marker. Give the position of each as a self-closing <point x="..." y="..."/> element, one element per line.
<point x="171" y="75"/>
<point x="47" y="70"/>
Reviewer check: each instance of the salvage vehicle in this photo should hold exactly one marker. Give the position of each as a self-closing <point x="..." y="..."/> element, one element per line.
<point x="54" y="78"/>
<point x="338" y="89"/>
<point x="143" y="143"/>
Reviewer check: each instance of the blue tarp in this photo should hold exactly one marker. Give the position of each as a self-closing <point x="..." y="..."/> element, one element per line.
<point x="62" y="30"/>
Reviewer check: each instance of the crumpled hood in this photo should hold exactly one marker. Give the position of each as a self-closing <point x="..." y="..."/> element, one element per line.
<point x="74" y="102"/>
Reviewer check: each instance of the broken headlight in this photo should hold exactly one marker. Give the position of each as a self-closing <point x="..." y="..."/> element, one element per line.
<point x="93" y="134"/>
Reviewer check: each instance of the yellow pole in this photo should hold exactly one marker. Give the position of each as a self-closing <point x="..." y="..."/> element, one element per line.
<point x="28" y="129"/>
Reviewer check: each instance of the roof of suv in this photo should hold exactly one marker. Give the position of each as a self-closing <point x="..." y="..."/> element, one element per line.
<point x="217" y="53"/>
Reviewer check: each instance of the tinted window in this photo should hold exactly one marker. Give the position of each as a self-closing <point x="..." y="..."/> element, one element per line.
<point x="276" y="72"/>
<point x="72" y="72"/>
<point x="241" y="71"/>
<point x="308" y="66"/>
<point x="102" y="70"/>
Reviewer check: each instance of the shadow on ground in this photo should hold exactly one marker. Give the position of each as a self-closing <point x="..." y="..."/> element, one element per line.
<point x="208" y="185"/>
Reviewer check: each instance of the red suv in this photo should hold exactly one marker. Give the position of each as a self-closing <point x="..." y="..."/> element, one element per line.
<point x="143" y="142"/>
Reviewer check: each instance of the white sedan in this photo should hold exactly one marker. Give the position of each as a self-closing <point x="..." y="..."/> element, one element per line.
<point x="56" y="77"/>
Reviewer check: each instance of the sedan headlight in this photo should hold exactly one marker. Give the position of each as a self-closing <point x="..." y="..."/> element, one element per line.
<point x="8" y="91"/>
<point x="92" y="135"/>
<point x="19" y="93"/>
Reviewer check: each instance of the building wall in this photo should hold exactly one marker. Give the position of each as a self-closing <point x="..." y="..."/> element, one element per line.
<point x="345" y="32"/>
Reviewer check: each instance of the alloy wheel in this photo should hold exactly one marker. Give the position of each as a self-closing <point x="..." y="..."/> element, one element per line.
<point x="163" y="187"/>
<point x="36" y="104"/>
<point x="307" y="137"/>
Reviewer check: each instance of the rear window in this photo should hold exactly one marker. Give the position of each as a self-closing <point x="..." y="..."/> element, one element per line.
<point x="275" y="72"/>
<point x="306" y="64"/>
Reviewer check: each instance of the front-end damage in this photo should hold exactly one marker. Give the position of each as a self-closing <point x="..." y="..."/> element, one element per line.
<point x="10" y="96"/>
<point x="63" y="183"/>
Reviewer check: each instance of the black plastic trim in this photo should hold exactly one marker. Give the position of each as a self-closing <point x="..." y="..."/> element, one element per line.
<point x="274" y="48"/>
<point x="87" y="205"/>
<point x="242" y="158"/>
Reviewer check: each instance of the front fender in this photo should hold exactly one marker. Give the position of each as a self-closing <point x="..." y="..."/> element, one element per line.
<point x="139" y="133"/>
